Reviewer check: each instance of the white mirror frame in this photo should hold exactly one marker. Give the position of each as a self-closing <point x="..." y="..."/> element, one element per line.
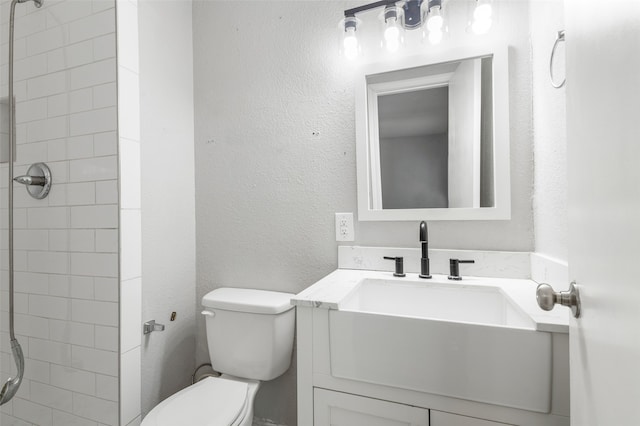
<point x="368" y="156"/>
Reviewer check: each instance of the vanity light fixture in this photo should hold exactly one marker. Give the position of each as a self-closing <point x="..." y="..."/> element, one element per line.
<point x="482" y="17"/>
<point x="411" y="15"/>
<point x="394" y="20"/>
<point x="400" y="15"/>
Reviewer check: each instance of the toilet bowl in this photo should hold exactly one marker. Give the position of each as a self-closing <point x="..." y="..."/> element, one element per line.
<point x="214" y="401"/>
<point x="250" y="338"/>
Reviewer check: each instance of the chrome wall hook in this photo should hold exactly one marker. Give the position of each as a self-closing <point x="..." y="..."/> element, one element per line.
<point x="37" y="180"/>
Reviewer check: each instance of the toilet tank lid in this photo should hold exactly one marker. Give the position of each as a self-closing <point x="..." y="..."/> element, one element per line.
<point x="248" y="300"/>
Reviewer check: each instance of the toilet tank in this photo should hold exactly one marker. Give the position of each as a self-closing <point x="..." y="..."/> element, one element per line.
<point x="249" y="332"/>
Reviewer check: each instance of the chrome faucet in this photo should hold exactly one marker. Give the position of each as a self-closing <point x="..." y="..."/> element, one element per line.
<point x="424" y="242"/>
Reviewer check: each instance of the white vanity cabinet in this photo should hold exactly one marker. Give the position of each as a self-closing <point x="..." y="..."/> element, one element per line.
<point x="439" y="418"/>
<point x="327" y="397"/>
<point x="343" y="409"/>
<point x="333" y="408"/>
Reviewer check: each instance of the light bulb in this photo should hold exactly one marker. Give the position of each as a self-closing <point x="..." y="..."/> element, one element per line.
<point x="350" y="47"/>
<point x="392" y="35"/>
<point x="481" y="26"/>
<point x="435" y="37"/>
<point x="482" y="11"/>
<point x="392" y="45"/>
<point x="482" y="17"/>
<point x="350" y="44"/>
<point x="434" y="21"/>
<point x="391" y="29"/>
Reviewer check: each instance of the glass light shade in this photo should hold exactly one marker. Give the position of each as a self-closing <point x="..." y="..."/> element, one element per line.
<point x="392" y="35"/>
<point x="481" y="26"/>
<point x="392" y="46"/>
<point x="483" y="10"/>
<point x="434" y="19"/>
<point x="435" y="37"/>
<point x="392" y="31"/>
<point x="350" y="44"/>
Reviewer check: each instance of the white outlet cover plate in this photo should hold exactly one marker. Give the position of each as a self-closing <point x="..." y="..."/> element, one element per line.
<point x="344" y="227"/>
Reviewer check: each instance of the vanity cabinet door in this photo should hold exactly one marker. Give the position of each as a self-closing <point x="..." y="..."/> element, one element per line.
<point x="438" y="418"/>
<point x="343" y="409"/>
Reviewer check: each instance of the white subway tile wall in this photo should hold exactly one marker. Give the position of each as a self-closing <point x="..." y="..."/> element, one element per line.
<point x="66" y="258"/>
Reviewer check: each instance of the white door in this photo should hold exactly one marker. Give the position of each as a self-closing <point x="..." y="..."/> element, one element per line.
<point x="603" y="131"/>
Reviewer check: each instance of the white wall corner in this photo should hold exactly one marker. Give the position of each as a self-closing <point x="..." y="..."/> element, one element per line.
<point x="130" y="211"/>
<point x="549" y="270"/>
<point x="136" y="422"/>
<point x="130" y="386"/>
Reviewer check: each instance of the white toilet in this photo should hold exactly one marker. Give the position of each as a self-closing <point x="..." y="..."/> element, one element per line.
<point x="250" y="338"/>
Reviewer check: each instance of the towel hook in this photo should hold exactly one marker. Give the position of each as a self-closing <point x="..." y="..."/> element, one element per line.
<point x="559" y="38"/>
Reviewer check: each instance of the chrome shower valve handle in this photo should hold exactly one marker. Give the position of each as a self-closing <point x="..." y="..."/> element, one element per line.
<point x="31" y="180"/>
<point x="37" y="180"/>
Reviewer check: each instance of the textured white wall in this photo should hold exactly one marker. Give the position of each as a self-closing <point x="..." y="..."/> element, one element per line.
<point x="549" y="133"/>
<point x="275" y="153"/>
<point x="168" y="196"/>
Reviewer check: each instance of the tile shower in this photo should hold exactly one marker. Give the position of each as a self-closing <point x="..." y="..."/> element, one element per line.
<point x="74" y="288"/>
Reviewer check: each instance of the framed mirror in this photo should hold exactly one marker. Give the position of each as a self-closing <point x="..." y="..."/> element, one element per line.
<point x="432" y="137"/>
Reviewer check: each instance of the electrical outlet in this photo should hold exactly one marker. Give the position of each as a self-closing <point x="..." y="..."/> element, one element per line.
<point x="344" y="227"/>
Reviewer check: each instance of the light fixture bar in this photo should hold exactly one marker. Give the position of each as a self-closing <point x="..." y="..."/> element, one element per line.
<point x="400" y="18"/>
<point x="374" y="5"/>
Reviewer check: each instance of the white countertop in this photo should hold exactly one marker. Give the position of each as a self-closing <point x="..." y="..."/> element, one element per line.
<point x="332" y="289"/>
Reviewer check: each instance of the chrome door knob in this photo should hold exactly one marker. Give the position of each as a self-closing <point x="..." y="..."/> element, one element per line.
<point x="547" y="298"/>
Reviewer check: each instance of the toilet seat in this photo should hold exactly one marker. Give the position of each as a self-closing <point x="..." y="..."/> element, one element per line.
<point x="210" y="402"/>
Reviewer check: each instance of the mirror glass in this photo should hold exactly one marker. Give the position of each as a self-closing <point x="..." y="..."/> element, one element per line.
<point x="429" y="142"/>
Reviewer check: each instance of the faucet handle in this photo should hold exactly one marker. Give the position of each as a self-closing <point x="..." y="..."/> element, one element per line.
<point x="454" y="268"/>
<point x="399" y="265"/>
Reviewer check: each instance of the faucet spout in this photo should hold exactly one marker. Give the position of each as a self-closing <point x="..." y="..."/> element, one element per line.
<point x="424" y="233"/>
<point x="424" y="243"/>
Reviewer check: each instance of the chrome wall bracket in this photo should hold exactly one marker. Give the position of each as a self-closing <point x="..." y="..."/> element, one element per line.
<point x="547" y="298"/>
<point x="37" y="180"/>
